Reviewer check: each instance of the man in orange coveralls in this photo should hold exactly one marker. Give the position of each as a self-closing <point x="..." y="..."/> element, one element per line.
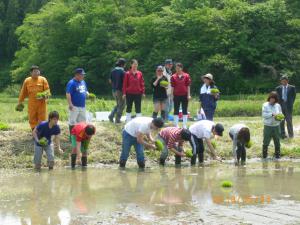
<point x="37" y="108"/>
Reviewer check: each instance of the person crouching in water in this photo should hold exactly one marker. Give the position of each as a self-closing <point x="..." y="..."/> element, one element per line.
<point x="204" y="130"/>
<point x="42" y="135"/>
<point x="240" y="136"/>
<point x="81" y="135"/>
<point x="134" y="134"/>
<point x="270" y="109"/>
<point x="172" y="139"/>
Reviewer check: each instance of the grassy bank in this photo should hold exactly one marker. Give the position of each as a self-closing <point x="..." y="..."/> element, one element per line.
<point x="16" y="148"/>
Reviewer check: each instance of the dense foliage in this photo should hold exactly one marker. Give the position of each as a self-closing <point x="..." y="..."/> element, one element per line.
<point x="246" y="44"/>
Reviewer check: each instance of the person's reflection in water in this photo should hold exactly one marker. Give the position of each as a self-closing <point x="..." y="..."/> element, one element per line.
<point x="44" y="207"/>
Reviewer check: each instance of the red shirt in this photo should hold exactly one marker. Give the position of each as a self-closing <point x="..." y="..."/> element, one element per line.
<point x="79" y="131"/>
<point x="172" y="135"/>
<point x="180" y="84"/>
<point x="133" y="83"/>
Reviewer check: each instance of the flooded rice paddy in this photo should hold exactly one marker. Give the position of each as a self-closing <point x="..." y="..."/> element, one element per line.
<point x="262" y="193"/>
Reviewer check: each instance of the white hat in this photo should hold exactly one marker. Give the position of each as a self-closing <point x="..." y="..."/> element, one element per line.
<point x="208" y="76"/>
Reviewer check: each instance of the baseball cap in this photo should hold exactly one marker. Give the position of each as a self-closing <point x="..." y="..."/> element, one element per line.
<point x="169" y="61"/>
<point x="79" y="71"/>
<point x="219" y="129"/>
<point x="208" y="76"/>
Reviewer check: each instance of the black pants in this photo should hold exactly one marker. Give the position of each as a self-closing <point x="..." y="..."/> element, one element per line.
<point x="241" y="151"/>
<point x="198" y="149"/>
<point x="136" y="99"/>
<point x="288" y="114"/>
<point x="183" y="101"/>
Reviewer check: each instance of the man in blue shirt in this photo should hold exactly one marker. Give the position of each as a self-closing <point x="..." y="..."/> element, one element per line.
<point x="42" y="135"/>
<point x="116" y="80"/>
<point x="77" y="93"/>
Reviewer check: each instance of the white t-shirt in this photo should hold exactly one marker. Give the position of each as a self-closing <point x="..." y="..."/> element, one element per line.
<point x="202" y="129"/>
<point x="139" y="124"/>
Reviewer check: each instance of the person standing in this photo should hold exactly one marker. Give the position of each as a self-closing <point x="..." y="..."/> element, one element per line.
<point x="287" y="95"/>
<point x="37" y="107"/>
<point x="169" y="101"/>
<point x="208" y="100"/>
<point x="159" y="93"/>
<point x="116" y="80"/>
<point x="270" y="109"/>
<point x="76" y="93"/>
<point x="134" y="134"/>
<point x="180" y="89"/>
<point x="133" y="89"/>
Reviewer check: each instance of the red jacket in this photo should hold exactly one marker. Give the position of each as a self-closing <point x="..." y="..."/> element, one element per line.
<point x="180" y="85"/>
<point x="133" y="83"/>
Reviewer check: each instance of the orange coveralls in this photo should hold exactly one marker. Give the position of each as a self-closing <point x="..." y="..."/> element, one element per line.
<point x="37" y="108"/>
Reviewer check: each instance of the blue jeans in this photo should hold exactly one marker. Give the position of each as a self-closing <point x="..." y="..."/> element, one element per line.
<point x="168" y="107"/>
<point x="128" y="141"/>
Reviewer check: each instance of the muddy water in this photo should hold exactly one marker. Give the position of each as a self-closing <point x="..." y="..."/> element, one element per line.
<point x="261" y="194"/>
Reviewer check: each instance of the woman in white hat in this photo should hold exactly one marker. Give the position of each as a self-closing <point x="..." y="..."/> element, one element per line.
<point x="208" y="100"/>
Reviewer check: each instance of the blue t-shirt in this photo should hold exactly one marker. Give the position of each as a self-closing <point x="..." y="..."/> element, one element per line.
<point x="77" y="90"/>
<point x="43" y="130"/>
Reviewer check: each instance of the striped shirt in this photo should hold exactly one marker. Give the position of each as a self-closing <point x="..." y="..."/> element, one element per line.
<point x="172" y="136"/>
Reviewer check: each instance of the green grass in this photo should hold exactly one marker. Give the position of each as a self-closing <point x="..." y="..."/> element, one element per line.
<point x="4" y="126"/>
<point x="16" y="149"/>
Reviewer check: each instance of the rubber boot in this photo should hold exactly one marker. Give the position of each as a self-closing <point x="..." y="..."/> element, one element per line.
<point x="51" y="165"/>
<point x="141" y="164"/>
<point x="176" y="120"/>
<point x="243" y="156"/>
<point x="122" y="164"/>
<point x="177" y="160"/>
<point x="193" y="160"/>
<point x="201" y="157"/>
<point x="154" y="115"/>
<point x="161" y="162"/>
<point x="118" y="119"/>
<point x="265" y="152"/>
<point x="84" y="161"/>
<point x="184" y="121"/>
<point x="163" y="114"/>
<point x="277" y="153"/>
<point x="128" y="117"/>
<point x="73" y="160"/>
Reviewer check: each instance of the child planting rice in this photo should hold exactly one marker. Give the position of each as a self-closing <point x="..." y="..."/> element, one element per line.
<point x="270" y="110"/>
<point x="134" y="134"/>
<point x="81" y="135"/>
<point x="240" y="136"/>
<point x="172" y="139"/>
<point x="204" y="130"/>
<point x="42" y="135"/>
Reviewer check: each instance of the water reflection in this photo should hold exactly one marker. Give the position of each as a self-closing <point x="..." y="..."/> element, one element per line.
<point x="64" y="196"/>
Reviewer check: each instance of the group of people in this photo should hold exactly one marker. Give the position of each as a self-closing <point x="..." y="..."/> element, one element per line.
<point x="80" y="131"/>
<point x="128" y="89"/>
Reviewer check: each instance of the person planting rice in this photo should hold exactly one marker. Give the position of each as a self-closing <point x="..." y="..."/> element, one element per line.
<point x="270" y="110"/>
<point x="172" y="139"/>
<point x="42" y="135"/>
<point x="204" y="130"/>
<point x="134" y="134"/>
<point x="209" y="95"/>
<point x="76" y="94"/>
<point x="37" y="106"/>
<point x="240" y="136"/>
<point x="159" y="85"/>
<point x="81" y="135"/>
<point x="180" y="89"/>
